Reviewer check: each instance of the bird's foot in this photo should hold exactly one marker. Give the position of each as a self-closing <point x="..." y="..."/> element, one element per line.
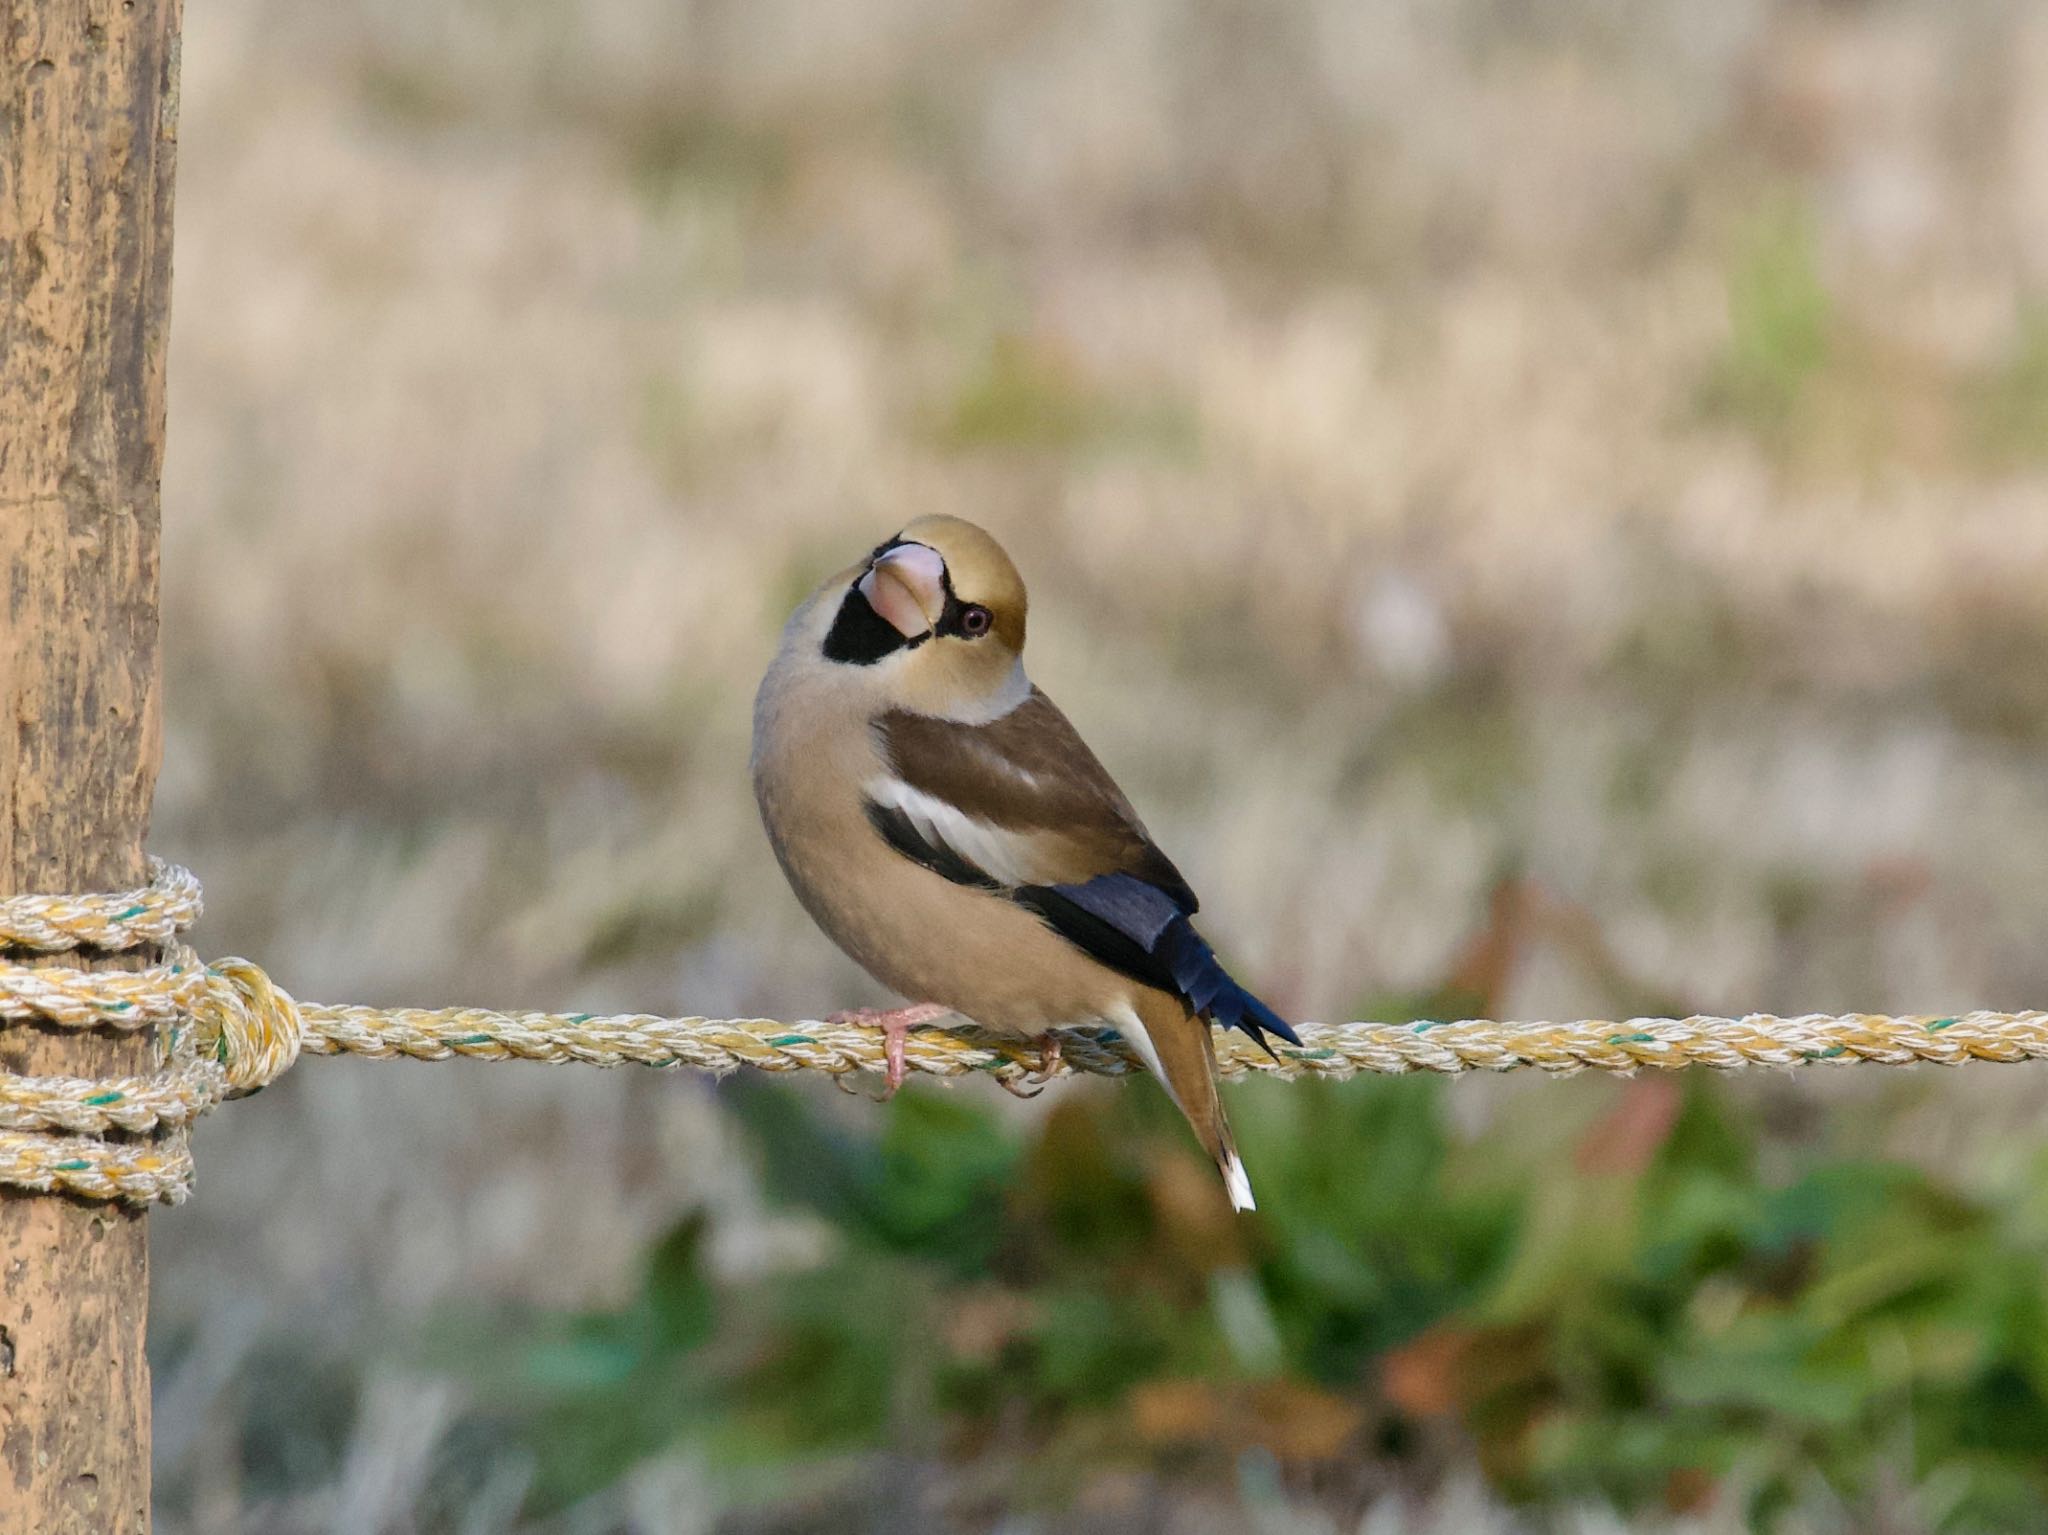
<point x="1048" y="1067"/>
<point x="895" y="1024"/>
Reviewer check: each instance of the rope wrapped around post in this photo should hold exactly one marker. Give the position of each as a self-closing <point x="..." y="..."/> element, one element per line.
<point x="228" y="1030"/>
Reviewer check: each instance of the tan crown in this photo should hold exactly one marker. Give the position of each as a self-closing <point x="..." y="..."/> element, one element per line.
<point x="980" y="572"/>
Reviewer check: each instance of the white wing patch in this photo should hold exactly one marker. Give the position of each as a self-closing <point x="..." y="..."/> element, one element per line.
<point x="1004" y="856"/>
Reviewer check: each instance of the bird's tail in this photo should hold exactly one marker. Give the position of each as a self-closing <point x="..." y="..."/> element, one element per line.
<point x="1176" y="1045"/>
<point x="1201" y="978"/>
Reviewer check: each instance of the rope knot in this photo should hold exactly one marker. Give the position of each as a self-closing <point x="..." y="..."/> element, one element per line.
<point x="224" y="1031"/>
<point x="248" y="1024"/>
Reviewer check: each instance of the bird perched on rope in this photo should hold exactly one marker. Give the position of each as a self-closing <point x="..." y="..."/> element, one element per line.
<point x="944" y="823"/>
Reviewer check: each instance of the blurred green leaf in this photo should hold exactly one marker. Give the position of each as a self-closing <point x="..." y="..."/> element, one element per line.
<point x="928" y="1186"/>
<point x="1778" y="323"/>
<point x="677" y="1293"/>
<point x="1029" y="392"/>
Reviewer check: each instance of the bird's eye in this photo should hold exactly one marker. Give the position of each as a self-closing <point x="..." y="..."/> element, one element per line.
<point x="975" y="620"/>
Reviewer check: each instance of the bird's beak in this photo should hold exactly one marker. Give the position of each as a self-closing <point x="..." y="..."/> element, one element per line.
<point x="907" y="586"/>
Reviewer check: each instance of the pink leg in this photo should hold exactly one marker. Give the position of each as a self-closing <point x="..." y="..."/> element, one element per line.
<point x="894" y="1023"/>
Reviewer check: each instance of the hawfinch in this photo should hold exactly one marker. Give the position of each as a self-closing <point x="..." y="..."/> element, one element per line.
<point x="948" y="828"/>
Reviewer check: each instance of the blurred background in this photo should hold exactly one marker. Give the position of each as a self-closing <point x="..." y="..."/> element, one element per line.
<point x="1545" y="507"/>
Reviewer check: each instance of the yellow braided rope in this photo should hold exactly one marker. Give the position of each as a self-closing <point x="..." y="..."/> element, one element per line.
<point x="231" y="1030"/>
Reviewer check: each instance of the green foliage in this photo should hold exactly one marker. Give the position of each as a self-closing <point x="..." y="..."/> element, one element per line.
<point x="1634" y="1311"/>
<point x="1778" y="324"/>
<point x="2012" y="405"/>
<point x="927" y="1185"/>
<point x="598" y="1393"/>
<point x="1372" y="1239"/>
<point x="1025" y="394"/>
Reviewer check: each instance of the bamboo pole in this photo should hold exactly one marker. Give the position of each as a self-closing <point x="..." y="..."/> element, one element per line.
<point x="88" y="113"/>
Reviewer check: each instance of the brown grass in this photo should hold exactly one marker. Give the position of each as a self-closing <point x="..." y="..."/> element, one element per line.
<point x="1602" y="440"/>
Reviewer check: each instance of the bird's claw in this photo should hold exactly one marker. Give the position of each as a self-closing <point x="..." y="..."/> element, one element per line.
<point x="895" y="1024"/>
<point x="1032" y="1084"/>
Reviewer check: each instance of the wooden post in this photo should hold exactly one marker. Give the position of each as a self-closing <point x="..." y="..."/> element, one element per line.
<point x="88" y="113"/>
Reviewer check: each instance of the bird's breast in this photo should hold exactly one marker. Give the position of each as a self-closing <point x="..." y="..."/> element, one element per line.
<point x="919" y="934"/>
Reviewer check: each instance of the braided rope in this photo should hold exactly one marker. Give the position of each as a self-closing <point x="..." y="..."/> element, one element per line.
<point x="1330" y="1050"/>
<point x="231" y="1030"/>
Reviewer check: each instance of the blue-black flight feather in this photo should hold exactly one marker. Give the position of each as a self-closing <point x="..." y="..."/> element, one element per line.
<point x="1139" y="930"/>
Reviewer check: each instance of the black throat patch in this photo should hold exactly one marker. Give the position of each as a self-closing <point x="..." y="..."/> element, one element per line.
<point x="860" y="636"/>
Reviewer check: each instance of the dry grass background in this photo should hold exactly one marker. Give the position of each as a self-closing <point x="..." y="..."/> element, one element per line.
<point x="1605" y="440"/>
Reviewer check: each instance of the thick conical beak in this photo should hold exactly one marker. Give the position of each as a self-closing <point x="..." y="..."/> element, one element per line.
<point x="907" y="586"/>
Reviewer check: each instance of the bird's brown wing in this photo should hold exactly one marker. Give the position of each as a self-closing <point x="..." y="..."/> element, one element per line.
<point x="1021" y="807"/>
<point x="1020" y="801"/>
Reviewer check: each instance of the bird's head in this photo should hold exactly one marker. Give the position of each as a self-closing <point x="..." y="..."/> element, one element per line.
<point x="936" y="616"/>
